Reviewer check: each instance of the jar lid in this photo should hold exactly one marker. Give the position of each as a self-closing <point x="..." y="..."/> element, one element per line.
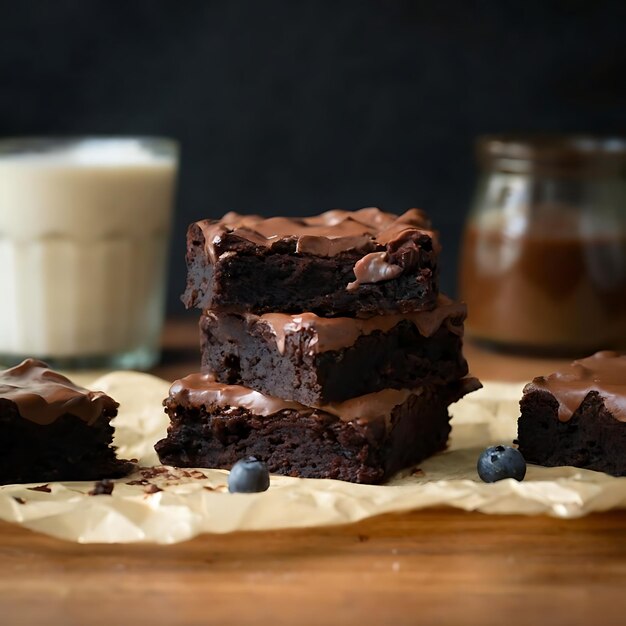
<point x="552" y="154"/>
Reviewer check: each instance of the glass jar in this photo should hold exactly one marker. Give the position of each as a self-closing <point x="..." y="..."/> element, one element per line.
<point x="543" y="262"/>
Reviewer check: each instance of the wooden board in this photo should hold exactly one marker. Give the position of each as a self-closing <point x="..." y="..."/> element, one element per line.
<point x="431" y="567"/>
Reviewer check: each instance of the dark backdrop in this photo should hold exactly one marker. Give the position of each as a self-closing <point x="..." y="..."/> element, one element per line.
<point x="300" y="106"/>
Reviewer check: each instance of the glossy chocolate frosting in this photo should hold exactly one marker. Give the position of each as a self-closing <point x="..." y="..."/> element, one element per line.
<point x="604" y="372"/>
<point x="325" y="235"/>
<point x="202" y="390"/>
<point x="323" y="334"/>
<point x="374" y="267"/>
<point x="42" y="395"/>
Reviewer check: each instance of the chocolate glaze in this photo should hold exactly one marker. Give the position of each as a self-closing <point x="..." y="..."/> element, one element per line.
<point x="326" y="234"/>
<point x="42" y="395"/>
<point x="374" y="268"/>
<point x="202" y="390"/>
<point x="604" y="372"/>
<point x="325" y="334"/>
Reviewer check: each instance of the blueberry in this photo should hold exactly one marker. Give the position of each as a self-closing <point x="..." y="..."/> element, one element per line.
<point x="248" y="476"/>
<point x="499" y="462"/>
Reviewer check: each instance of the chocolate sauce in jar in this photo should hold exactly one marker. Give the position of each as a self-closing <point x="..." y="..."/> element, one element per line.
<point x="543" y="264"/>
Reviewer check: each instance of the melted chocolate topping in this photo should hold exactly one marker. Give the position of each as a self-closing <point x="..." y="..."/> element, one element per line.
<point x="325" y="235"/>
<point x="374" y="268"/>
<point x="326" y="334"/>
<point x="201" y="389"/>
<point x="42" y="395"/>
<point x="604" y="372"/>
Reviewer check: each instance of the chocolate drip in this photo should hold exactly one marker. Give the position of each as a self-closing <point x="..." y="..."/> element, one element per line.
<point x="42" y="395"/>
<point x="326" y="334"/>
<point x="201" y="389"/>
<point x="374" y="268"/>
<point x="604" y="372"/>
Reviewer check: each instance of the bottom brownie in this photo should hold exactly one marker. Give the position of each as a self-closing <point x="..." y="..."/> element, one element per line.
<point x="364" y="440"/>
<point x="51" y="429"/>
<point x="577" y="416"/>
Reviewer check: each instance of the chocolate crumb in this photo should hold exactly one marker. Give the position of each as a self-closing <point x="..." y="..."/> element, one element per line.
<point x="102" y="488"/>
<point x="153" y="472"/>
<point x="159" y="472"/>
<point x="170" y="474"/>
<point x="19" y="500"/>
<point x="153" y="489"/>
<point x="417" y="472"/>
<point x="143" y="482"/>
<point x="196" y="474"/>
<point x="43" y="488"/>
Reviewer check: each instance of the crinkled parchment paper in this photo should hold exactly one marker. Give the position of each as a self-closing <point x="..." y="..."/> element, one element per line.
<point x="165" y="505"/>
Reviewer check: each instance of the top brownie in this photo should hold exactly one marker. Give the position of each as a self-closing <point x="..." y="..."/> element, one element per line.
<point x="339" y="263"/>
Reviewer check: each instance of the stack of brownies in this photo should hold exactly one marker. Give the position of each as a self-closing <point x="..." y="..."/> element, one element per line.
<point x="327" y="350"/>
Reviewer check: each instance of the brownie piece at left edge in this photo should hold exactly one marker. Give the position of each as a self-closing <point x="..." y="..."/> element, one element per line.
<point x="315" y="360"/>
<point x="52" y="430"/>
<point x="339" y="263"/>
<point x="364" y="440"/>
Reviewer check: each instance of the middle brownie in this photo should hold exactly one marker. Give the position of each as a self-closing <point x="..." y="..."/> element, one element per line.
<point x="314" y="360"/>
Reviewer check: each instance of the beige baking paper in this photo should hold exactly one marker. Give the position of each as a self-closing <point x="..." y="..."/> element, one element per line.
<point x="194" y="502"/>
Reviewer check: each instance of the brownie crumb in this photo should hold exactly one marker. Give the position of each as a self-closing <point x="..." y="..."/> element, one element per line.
<point x="157" y="472"/>
<point x="153" y="489"/>
<point x="197" y="474"/>
<point x="143" y="482"/>
<point x="42" y="488"/>
<point x="102" y="488"/>
<point x="19" y="500"/>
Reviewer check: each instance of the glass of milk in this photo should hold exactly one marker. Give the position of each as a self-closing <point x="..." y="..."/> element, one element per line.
<point x="84" y="231"/>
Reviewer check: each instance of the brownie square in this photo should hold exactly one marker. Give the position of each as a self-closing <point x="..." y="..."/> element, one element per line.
<point x="577" y="416"/>
<point x="364" y="440"/>
<point x="51" y="429"/>
<point x="314" y="360"/>
<point x="339" y="263"/>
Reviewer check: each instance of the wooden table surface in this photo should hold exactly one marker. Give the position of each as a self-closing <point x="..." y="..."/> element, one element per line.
<point x="429" y="567"/>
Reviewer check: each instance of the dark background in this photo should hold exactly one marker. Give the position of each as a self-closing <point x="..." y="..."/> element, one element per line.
<point x="296" y="107"/>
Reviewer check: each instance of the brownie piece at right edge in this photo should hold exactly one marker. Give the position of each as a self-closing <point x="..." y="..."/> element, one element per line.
<point x="339" y="263"/>
<point x="315" y="360"/>
<point x="364" y="440"/>
<point x="577" y="416"/>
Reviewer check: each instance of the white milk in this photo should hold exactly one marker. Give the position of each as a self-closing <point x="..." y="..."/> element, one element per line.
<point x="83" y="243"/>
